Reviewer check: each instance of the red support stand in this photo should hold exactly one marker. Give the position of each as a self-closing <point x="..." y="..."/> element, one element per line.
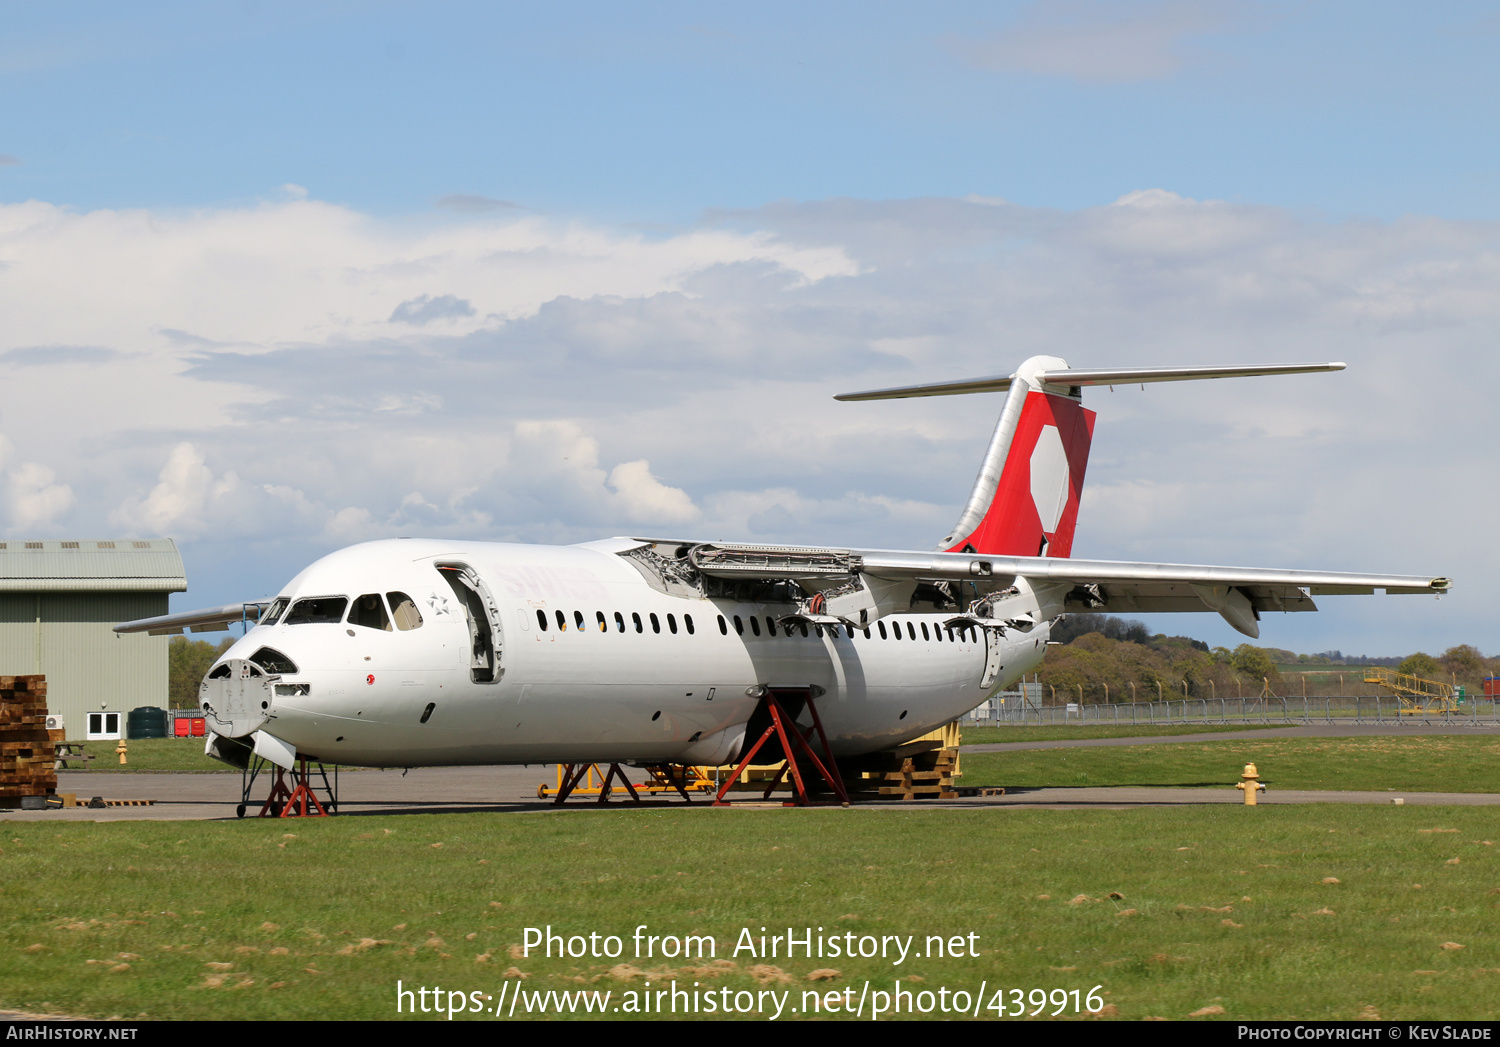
<point x="276" y="802"/>
<point x="784" y="727"/>
<point x="616" y="772"/>
<point x="572" y="774"/>
<point x="297" y="803"/>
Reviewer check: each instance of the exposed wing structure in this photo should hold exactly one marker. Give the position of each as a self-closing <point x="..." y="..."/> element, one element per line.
<point x="765" y="561"/>
<point x="1239" y="594"/>
<point x="204" y="620"/>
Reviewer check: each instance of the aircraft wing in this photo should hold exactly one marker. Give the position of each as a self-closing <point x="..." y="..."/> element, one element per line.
<point x="1121" y="577"/>
<point x="1239" y="594"/>
<point x="204" y="620"/>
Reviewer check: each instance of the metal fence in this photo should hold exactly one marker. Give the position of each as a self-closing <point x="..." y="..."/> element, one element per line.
<point x="1017" y="708"/>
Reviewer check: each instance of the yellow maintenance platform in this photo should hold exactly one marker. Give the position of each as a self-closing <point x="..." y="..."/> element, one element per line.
<point x="1417" y="695"/>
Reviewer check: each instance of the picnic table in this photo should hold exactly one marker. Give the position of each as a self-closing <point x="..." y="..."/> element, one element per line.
<point x="72" y="751"/>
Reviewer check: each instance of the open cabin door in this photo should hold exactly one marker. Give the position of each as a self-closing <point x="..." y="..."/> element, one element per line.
<point x="993" y="652"/>
<point x="485" y="637"/>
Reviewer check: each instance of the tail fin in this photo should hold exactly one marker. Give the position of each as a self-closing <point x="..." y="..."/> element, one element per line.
<point x="1025" y="500"/>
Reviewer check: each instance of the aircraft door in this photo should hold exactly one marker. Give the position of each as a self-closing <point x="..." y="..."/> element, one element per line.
<point x="483" y="615"/>
<point x="994" y="654"/>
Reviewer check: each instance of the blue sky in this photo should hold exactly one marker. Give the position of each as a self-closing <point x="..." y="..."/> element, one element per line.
<point x="658" y="112"/>
<point x="281" y="277"/>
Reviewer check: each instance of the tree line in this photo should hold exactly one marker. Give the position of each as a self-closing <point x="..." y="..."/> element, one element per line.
<point x="1107" y="659"/>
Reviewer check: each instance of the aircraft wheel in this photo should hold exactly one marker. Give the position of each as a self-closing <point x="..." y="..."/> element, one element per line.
<point x="239" y="812"/>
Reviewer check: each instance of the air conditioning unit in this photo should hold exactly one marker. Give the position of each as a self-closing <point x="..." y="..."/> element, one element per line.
<point x="55" y="723"/>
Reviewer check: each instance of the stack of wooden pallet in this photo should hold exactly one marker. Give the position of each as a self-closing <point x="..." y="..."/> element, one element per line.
<point x="920" y="770"/>
<point x="27" y="751"/>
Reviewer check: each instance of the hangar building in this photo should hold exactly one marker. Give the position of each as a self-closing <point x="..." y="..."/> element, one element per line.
<point x="59" y="603"/>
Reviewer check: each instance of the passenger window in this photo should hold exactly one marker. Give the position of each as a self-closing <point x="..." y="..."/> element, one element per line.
<point x="687" y="620"/>
<point x="867" y="632"/>
<point x="754" y="624"/>
<point x="739" y="626"/>
<point x="320" y="610"/>
<point x="404" y="612"/>
<point x="541" y="619"/>
<point x="911" y="631"/>
<point x="804" y="630"/>
<point x="655" y="625"/>
<point x="881" y="627"/>
<point x="924" y="632"/>
<point x="562" y="622"/>
<point x="369" y="611"/>
<point x="619" y="622"/>
<point x="636" y="618"/>
<point x="770" y="626"/>
<point x="723" y="626"/>
<point x="603" y="625"/>
<point x="672" y="624"/>
<point x="578" y="620"/>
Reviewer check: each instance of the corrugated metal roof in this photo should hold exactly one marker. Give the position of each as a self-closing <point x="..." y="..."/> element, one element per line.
<point x="120" y="564"/>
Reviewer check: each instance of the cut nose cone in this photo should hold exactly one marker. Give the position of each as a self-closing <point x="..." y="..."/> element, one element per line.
<point x="236" y="697"/>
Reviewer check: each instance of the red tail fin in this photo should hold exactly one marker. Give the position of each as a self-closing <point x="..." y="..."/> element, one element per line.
<point x="1025" y="501"/>
<point x="1034" y="508"/>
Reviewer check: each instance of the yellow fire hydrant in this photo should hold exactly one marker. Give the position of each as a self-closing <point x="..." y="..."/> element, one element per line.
<point x="1250" y="784"/>
<point x="120" y="750"/>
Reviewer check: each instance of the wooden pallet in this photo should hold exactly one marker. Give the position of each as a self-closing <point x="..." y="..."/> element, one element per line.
<point x="922" y="775"/>
<point x="28" y="751"/>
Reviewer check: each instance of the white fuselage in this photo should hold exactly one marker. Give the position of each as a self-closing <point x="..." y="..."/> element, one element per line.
<point x="679" y="690"/>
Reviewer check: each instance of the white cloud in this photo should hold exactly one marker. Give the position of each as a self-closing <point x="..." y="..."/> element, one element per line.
<point x="186" y="498"/>
<point x="646" y="499"/>
<point x="243" y="384"/>
<point x="36" y="502"/>
<point x="1105" y="41"/>
<point x="36" y="499"/>
<point x="303" y="270"/>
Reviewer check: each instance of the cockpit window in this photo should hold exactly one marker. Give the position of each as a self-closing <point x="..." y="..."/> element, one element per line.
<point x="404" y="611"/>
<point x="273" y="612"/>
<point x="369" y="611"/>
<point x="273" y="661"/>
<point x="316" y="611"/>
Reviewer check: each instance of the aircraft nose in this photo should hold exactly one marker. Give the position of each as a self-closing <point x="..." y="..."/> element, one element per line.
<point x="236" y="697"/>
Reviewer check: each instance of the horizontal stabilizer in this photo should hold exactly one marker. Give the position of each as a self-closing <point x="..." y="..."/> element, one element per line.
<point x="1074" y="376"/>
<point x="203" y="620"/>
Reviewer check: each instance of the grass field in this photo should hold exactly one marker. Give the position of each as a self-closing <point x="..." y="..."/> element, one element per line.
<point x="1211" y="908"/>
<point x="1416" y="763"/>
<point x="1048" y="733"/>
